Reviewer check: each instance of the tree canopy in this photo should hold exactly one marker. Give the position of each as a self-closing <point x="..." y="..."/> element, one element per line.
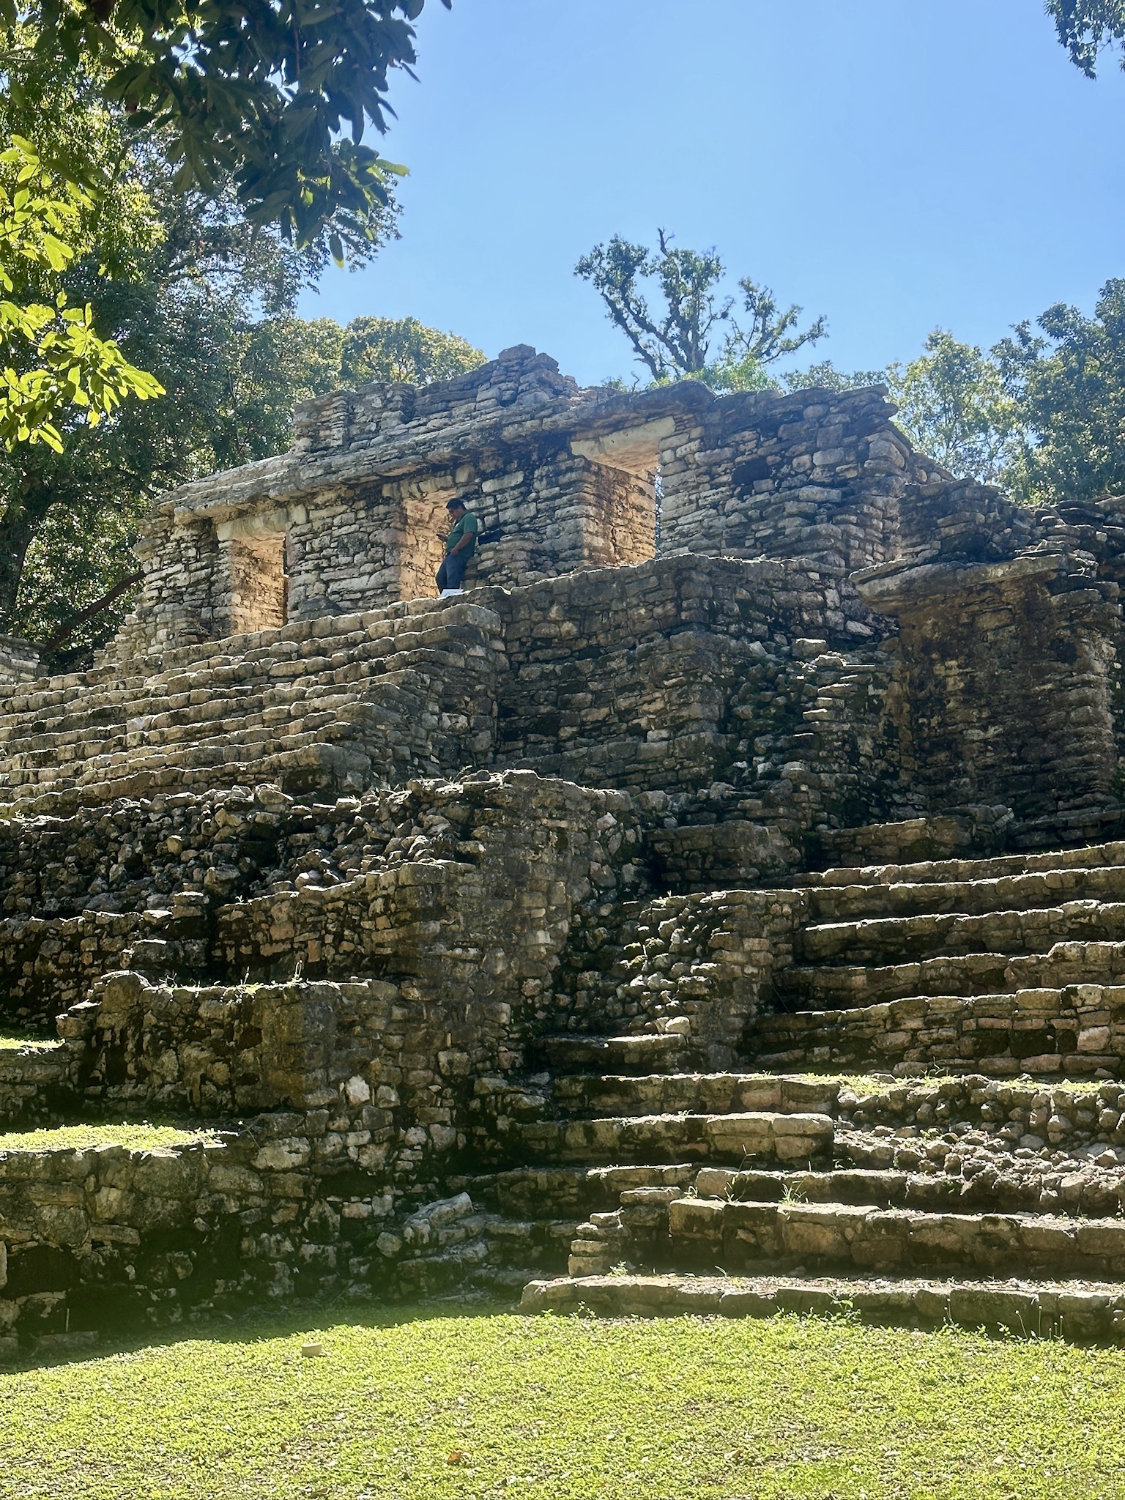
<point x="955" y="406"/>
<point x="403" y="349"/>
<point x="54" y="361"/>
<point x="1085" y="27"/>
<point x="1066" y="375"/>
<point x="201" y="298"/>
<point x="273" y="98"/>
<point x="261" y="110"/>
<point x="677" y="340"/>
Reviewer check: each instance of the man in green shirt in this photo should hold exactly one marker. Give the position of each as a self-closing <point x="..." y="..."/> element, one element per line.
<point x="460" y="545"/>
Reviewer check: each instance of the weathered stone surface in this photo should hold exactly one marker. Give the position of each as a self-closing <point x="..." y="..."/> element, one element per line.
<point x="493" y="932"/>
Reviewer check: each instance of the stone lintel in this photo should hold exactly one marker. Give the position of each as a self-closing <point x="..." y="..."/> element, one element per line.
<point x="894" y="589"/>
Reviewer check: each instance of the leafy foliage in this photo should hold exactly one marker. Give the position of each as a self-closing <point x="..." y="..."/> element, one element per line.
<point x="826" y="376"/>
<point x="206" y="304"/>
<point x="191" y="313"/>
<point x="199" y="297"/>
<point x="954" y="406"/>
<point x="1042" y="413"/>
<point x="676" y="341"/>
<point x="273" y="97"/>
<point x="54" y="361"/>
<point x="403" y="349"/>
<point x="1086" y="26"/>
<point x="1066" y="375"/>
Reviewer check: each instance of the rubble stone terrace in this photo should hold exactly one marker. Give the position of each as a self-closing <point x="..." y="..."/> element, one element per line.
<point x="719" y="905"/>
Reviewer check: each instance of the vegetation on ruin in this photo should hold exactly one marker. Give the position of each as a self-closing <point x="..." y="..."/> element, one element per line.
<point x="695" y="331"/>
<point x="424" y="1404"/>
<point x="13" y="1041"/>
<point x="264" y="109"/>
<point x="1039" y="414"/>
<point x="134" y="1136"/>
<point x="402" y="349"/>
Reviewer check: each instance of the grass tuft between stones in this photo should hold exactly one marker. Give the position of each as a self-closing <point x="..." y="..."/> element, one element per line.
<point x="405" y="1405"/>
<point x="133" y="1135"/>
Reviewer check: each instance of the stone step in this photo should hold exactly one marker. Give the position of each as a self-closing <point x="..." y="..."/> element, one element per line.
<point x="524" y="1242"/>
<point x="901" y="939"/>
<point x="646" y="1139"/>
<point x="574" y="1191"/>
<point x="1015" y="892"/>
<point x="1081" y="1311"/>
<point x="265" y="708"/>
<point x="824" y="986"/>
<point x="431" y="1275"/>
<point x="234" y="711"/>
<point x="588" y="1095"/>
<point x="644" y="1054"/>
<point x="1093" y="1192"/>
<point x="1071" y="1031"/>
<point x="314" y="767"/>
<point x="503" y="1284"/>
<point x="747" y="1236"/>
<point x="943" y="872"/>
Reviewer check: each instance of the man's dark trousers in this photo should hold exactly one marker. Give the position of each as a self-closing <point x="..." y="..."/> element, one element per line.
<point x="451" y="572"/>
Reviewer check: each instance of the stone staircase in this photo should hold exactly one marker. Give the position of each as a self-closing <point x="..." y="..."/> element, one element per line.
<point x="401" y="691"/>
<point x="1002" y="966"/>
<point x="935" y="1130"/>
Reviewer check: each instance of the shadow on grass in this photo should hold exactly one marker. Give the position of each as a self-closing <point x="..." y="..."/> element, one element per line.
<point x="252" y="1325"/>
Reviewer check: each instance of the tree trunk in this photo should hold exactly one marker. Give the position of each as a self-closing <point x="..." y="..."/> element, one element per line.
<point x="18" y="526"/>
<point x="16" y="532"/>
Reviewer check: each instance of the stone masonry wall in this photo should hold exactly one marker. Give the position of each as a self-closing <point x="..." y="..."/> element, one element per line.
<point x="698" y="967"/>
<point x="132" y="1238"/>
<point x="408" y="690"/>
<point x="19" y="661"/>
<point x="560" y="479"/>
<point x="1009" y="683"/>
<point x="815" y="474"/>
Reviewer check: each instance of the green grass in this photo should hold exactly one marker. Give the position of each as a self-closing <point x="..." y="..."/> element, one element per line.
<point x="37" y="1043"/>
<point x="433" y="1405"/>
<point x="864" y="1084"/>
<point x="140" y="1136"/>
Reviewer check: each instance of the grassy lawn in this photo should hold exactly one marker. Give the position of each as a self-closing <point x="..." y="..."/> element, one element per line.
<point x="431" y="1404"/>
<point x="139" y="1136"/>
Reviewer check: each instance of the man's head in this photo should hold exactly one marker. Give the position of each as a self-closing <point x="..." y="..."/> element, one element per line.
<point x="456" y="508"/>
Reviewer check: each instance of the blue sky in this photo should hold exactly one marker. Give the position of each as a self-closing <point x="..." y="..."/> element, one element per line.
<point x="894" y="164"/>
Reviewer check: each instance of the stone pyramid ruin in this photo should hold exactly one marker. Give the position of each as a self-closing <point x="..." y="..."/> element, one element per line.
<point x="720" y="905"/>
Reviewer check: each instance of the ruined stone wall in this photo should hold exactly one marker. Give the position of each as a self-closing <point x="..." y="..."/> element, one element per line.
<point x="357" y="501"/>
<point x="395" y="693"/>
<point x="134" y="1238"/>
<point x="19" y="661"/>
<point x="1008" y="680"/>
<point x="518" y="379"/>
<point x="628" y="679"/>
<point x="676" y="675"/>
<point x="561" y="479"/>
<point x="177" y="604"/>
<point x="816" y="474"/>
<point x="697" y="967"/>
<point x="46" y="966"/>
